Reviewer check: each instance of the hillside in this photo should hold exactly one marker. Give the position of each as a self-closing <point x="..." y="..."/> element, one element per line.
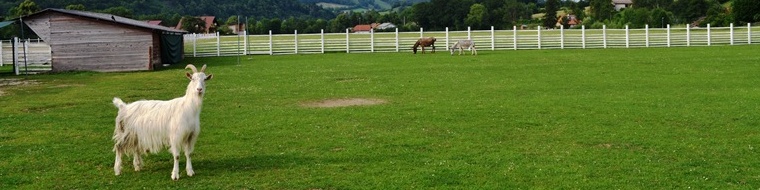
<point x="359" y="5"/>
<point x="219" y="8"/>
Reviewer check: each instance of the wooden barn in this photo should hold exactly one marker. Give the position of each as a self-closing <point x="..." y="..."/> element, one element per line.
<point x="87" y="41"/>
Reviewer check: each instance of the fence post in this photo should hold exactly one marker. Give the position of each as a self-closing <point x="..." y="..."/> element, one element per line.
<point x="271" y="50"/>
<point x="348" y="43"/>
<point x="688" y="36"/>
<point x="447" y="38"/>
<point x="372" y="40"/>
<point x="668" y="28"/>
<point x="493" y="39"/>
<point x="295" y="36"/>
<point x="538" y="31"/>
<point x="709" y="42"/>
<point x="15" y="56"/>
<point x="604" y="36"/>
<point x="245" y="42"/>
<point x="218" y="44"/>
<point x="627" y="37"/>
<point x="749" y="33"/>
<point x="322" y="36"/>
<point x="646" y="35"/>
<point x="561" y="36"/>
<point x="469" y="36"/>
<point x="514" y="37"/>
<point x="731" y="28"/>
<point x="421" y="32"/>
<point x="194" y="45"/>
<point x="583" y="36"/>
<point x="1" y="53"/>
<point x="397" y="50"/>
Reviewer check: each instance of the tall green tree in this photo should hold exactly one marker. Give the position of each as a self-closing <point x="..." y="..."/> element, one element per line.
<point x="476" y="16"/>
<point x="550" y="18"/>
<point x="193" y="24"/>
<point x="746" y="11"/>
<point x="78" y="7"/>
<point x="652" y="4"/>
<point x="514" y="11"/>
<point x="690" y="10"/>
<point x="602" y="9"/>
<point x="119" y="11"/>
<point x="25" y="8"/>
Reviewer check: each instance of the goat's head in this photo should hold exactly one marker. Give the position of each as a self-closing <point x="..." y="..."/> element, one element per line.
<point x="197" y="80"/>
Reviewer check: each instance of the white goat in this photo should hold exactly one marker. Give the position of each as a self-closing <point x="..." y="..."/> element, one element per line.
<point x="461" y="44"/>
<point x="150" y="125"/>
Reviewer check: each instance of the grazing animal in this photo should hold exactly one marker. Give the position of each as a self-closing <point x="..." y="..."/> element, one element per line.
<point x="424" y="42"/>
<point x="147" y="126"/>
<point x="462" y="44"/>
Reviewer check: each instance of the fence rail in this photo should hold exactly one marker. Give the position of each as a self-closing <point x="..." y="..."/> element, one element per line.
<point x="273" y="44"/>
<point x="29" y="55"/>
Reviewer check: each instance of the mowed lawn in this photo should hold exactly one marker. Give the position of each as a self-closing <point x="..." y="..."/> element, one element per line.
<point x="657" y="118"/>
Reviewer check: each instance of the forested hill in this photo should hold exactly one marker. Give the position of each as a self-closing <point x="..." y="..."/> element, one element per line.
<point x="219" y="8"/>
<point x="358" y="5"/>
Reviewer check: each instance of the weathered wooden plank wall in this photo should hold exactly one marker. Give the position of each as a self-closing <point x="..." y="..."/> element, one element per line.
<point x="79" y="43"/>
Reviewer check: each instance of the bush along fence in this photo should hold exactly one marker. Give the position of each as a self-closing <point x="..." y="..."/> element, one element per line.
<point x="197" y="45"/>
<point x="29" y="56"/>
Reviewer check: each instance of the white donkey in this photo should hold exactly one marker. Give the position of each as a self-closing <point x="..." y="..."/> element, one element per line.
<point x="462" y="44"/>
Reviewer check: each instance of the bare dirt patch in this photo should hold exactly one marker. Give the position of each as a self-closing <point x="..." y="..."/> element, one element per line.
<point x="14" y="82"/>
<point x="345" y="102"/>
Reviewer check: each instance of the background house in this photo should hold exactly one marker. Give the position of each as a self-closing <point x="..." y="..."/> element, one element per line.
<point x="87" y="41"/>
<point x="237" y="28"/>
<point x="362" y="28"/>
<point x="622" y="4"/>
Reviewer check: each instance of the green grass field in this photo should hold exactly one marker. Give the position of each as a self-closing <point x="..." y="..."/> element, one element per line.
<point x="654" y="118"/>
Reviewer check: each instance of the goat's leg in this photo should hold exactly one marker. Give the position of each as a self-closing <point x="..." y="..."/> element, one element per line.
<point x="175" y="155"/>
<point x="117" y="162"/>
<point x="189" y="146"/>
<point x="137" y="162"/>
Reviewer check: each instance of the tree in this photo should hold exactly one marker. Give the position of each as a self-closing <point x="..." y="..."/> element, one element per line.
<point x="661" y="17"/>
<point x="119" y="11"/>
<point x="514" y="11"/>
<point x="691" y="10"/>
<point x="78" y="7"/>
<point x="634" y="17"/>
<point x="25" y="8"/>
<point x="476" y="16"/>
<point x="602" y="9"/>
<point x="232" y="20"/>
<point x="550" y="18"/>
<point x="193" y="24"/>
<point x="652" y="4"/>
<point x="746" y="11"/>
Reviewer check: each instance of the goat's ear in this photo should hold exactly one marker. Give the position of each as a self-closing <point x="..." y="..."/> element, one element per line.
<point x="189" y="76"/>
<point x="209" y="77"/>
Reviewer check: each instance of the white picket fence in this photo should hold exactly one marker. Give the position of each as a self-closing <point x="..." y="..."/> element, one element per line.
<point x="216" y="45"/>
<point x="29" y="55"/>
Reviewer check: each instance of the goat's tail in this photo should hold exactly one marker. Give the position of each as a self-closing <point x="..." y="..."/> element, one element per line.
<point x="118" y="103"/>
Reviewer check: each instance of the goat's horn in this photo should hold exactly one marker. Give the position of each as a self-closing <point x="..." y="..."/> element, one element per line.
<point x="203" y="69"/>
<point x="195" y="70"/>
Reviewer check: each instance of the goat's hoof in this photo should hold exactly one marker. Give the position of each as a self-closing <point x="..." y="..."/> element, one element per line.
<point x="190" y="173"/>
<point x="175" y="176"/>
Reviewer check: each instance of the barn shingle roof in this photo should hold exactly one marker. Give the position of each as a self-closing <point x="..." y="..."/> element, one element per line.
<point x="109" y="17"/>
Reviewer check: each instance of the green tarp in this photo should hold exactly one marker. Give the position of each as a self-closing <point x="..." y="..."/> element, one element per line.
<point x="6" y="23"/>
<point x="172" y="47"/>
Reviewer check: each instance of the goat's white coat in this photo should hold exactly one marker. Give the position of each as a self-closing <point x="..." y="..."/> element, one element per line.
<point x="462" y="44"/>
<point x="150" y="125"/>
